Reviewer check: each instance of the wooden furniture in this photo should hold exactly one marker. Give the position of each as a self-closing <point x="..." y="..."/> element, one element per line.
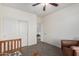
<point x="75" y="50"/>
<point x="10" y="46"/>
<point x="66" y="47"/>
<point x="35" y="53"/>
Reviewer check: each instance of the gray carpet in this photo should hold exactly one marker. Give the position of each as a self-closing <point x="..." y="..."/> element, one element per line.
<point x="43" y="49"/>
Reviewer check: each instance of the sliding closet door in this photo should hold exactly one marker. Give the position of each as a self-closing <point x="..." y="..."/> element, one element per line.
<point x="9" y="28"/>
<point x="13" y="28"/>
<point x="22" y="32"/>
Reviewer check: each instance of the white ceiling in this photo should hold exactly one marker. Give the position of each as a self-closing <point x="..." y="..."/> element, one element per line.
<point x="38" y="10"/>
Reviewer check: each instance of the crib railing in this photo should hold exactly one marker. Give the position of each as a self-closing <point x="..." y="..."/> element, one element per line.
<point x="10" y="46"/>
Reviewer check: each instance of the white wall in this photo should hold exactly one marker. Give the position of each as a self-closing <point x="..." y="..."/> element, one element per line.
<point x="8" y="12"/>
<point x="63" y="24"/>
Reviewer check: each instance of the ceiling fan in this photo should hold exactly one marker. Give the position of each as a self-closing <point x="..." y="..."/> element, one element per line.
<point x="44" y="7"/>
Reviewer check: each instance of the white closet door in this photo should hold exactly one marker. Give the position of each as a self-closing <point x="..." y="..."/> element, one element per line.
<point x="22" y="30"/>
<point x="9" y="29"/>
<point x="13" y="29"/>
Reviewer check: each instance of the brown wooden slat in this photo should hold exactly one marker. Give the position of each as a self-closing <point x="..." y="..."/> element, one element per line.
<point x="16" y="46"/>
<point x="0" y="47"/>
<point x="20" y="42"/>
<point x="8" y="45"/>
<point x="20" y="45"/>
<point x="4" y="46"/>
<point x="12" y="45"/>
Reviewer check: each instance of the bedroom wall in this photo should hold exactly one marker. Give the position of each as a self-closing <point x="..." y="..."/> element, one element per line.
<point x="62" y="24"/>
<point x="8" y="12"/>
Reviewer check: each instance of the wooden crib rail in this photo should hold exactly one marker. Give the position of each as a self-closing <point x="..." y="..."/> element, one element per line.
<point x="10" y="46"/>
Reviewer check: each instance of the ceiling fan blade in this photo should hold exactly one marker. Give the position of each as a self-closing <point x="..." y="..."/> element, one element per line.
<point x="35" y="4"/>
<point x="54" y="4"/>
<point x="44" y="8"/>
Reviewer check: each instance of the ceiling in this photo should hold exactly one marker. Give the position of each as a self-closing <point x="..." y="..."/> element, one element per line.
<point x="38" y="10"/>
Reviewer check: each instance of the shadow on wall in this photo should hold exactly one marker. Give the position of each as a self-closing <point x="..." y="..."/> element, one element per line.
<point x="56" y="42"/>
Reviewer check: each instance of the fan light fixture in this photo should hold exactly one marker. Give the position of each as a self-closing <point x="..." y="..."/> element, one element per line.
<point x="45" y="4"/>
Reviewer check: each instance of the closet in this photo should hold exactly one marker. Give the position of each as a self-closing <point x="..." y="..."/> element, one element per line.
<point x="13" y="28"/>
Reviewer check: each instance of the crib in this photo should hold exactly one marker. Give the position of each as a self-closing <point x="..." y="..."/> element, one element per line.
<point x="9" y="46"/>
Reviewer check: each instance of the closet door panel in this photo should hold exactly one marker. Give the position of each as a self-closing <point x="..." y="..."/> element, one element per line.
<point x="13" y="28"/>
<point x="23" y="32"/>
